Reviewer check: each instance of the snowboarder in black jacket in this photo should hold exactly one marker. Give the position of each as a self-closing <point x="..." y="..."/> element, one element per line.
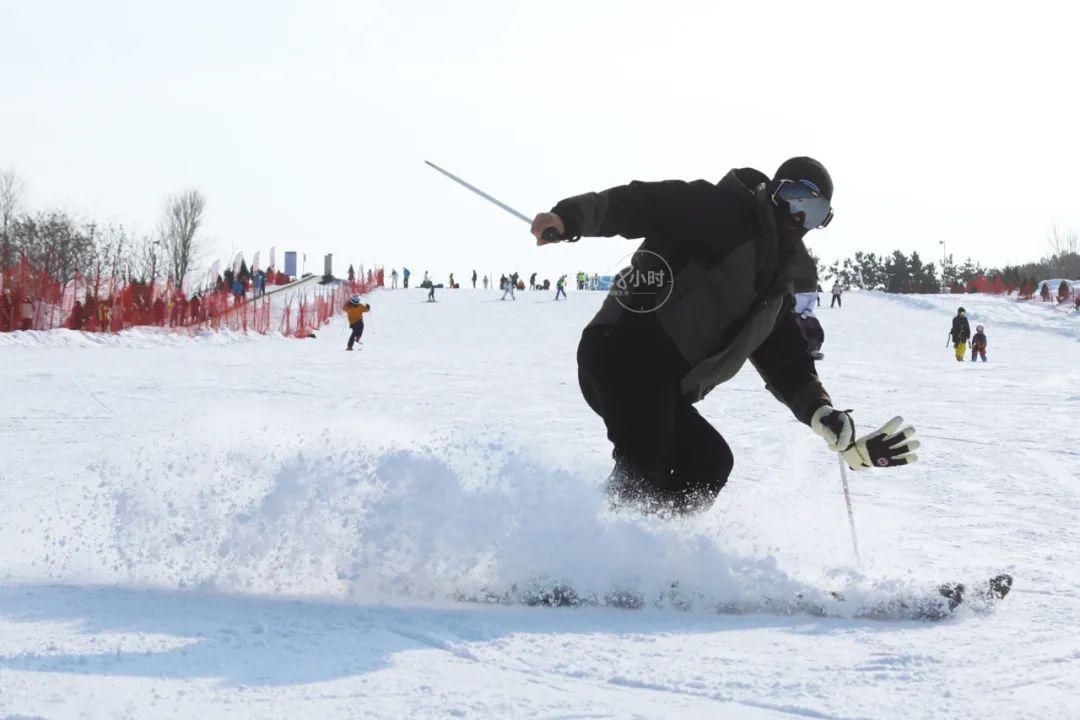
<point x="960" y="333"/>
<point x="708" y="289"/>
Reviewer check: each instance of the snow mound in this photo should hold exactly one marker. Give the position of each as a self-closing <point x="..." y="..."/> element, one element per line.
<point x="135" y="338"/>
<point x="996" y="311"/>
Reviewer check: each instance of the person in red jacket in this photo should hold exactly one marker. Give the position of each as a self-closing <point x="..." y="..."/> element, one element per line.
<point x="978" y="344"/>
<point x="355" y="310"/>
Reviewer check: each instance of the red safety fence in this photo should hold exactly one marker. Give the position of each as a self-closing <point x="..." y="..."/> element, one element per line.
<point x="31" y="299"/>
<point x="308" y="313"/>
<point x="995" y="285"/>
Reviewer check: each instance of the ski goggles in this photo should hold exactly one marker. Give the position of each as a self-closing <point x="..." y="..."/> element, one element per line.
<point x="804" y="198"/>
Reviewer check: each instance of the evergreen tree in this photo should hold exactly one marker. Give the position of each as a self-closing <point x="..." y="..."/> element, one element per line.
<point x="923" y="278"/>
<point x="950" y="275"/>
<point x="969" y="271"/>
<point x="897" y="273"/>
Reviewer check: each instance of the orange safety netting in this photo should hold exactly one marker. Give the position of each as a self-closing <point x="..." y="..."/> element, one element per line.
<point x="31" y="299"/>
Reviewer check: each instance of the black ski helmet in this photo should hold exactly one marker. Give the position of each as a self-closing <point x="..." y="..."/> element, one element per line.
<point x="806" y="168"/>
<point x="802" y="192"/>
<point x="961" y="311"/>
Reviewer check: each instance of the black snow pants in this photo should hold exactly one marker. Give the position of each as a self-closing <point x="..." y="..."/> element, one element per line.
<point x="667" y="457"/>
<point x="357" y="331"/>
<point x="836" y="301"/>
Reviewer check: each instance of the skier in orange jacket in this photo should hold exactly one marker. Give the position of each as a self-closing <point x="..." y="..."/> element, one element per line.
<point x="355" y="310"/>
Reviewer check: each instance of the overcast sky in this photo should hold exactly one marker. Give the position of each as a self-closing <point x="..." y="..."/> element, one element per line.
<point x="306" y="123"/>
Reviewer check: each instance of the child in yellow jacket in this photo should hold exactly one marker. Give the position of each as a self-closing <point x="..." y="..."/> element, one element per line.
<point x="355" y="310"/>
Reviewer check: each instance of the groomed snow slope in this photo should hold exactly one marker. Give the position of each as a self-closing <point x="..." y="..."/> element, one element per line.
<point x="244" y="526"/>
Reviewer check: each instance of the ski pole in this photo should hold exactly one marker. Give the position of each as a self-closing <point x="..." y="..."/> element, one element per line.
<point x="550" y="234"/>
<point x="850" y="511"/>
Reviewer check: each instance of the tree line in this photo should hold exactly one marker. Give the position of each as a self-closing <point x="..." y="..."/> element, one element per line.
<point x="900" y="273"/>
<point x="66" y="247"/>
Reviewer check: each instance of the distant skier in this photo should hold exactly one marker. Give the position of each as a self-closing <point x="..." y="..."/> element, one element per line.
<point x="560" y="287"/>
<point x="405" y="277"/>
<point x="354" y="311"/>
<point x="485" y="282"/>
<point x="473" y="279"/>
<point x="959" y="334"/>
<point x="837" y="291"/>
<point x="978" y="344"/>
<point x="426" y="280"/>
<point x="532" y="281"/>
<point x="430" y="290"/>
<point x="508" y="288"/>
<point x="393" y="279"/>
<point x="710" y="289"/>
<point x="452" y="286"/>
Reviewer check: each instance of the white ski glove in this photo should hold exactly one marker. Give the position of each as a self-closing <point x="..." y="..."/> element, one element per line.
<point x="836" y="426"/>
<point x="886" y="447"/>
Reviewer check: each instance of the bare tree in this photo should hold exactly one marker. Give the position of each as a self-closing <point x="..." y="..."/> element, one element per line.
<point x="1064" y="260"/>
<point x="1062" y="242"/>
<point x="53" y="242"/>
<point x="148" y="259"/>
<point x="183" y="217"/>
<point x="11" y="189"/>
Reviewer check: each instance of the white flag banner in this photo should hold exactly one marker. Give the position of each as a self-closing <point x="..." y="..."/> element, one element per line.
<point x="273" y="263"/>
<point x="255" y="262"/>
<point x="236" y="262"/>
<point x="214" y="270"/>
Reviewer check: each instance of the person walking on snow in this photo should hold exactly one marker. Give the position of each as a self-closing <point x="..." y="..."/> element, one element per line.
<point x="485" y="282"/>
<point x="560" y="287"/>
<point x="473" y="279"/>
<point x="508" y="289"/>
<point x="648" y="356"/>
<point x="354" y="311"/>
<point x="959" y="334"/>
<point x="393" y="279"/>
<point x="978" y="344"/>
<point x="405" y="277"/>
<point x="836" y="292"/>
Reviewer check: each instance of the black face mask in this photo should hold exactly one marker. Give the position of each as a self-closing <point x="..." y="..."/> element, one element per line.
<point x="788" y="230"/>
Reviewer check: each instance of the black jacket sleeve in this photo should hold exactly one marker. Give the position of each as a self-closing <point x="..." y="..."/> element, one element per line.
<point x="632" y="211"/>
<point x="784" y="362"/>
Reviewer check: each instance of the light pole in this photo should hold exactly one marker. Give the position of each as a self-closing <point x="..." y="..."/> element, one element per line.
<point x="943" y="256"/>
